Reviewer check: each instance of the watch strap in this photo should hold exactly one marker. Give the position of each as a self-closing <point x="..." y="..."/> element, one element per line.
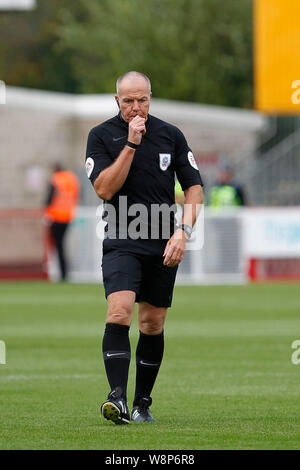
<point x="187" y="229"/>
<point x="131" y="145"/>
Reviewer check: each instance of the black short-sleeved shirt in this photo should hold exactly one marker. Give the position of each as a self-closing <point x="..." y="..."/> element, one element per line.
<point x="151" y="178"/>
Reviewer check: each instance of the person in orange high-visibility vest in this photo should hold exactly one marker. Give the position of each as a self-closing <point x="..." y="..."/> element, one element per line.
<point x="62" y="199"/>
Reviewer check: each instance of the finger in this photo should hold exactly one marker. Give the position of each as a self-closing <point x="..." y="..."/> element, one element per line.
<point x="171" y="258"/>
<point x="177" y="260"/>
<point x="138" y="129"/>
<point x="138" y="120"/>
<point x="173" y="263"/>
<point x="166" y="261"/>
<point x="174" y="253"/>
<point x="169" y="255"/>
<point x="176" y="257"/>
<point x="166" y="249"/>
<point x="137" y="125"/>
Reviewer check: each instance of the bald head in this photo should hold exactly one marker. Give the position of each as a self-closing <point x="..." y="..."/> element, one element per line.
<point x="133" y="95"/>
<point x="129" y="77"/>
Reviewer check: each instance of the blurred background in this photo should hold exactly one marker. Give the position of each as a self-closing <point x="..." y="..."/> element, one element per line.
<point x="226" y="73"/>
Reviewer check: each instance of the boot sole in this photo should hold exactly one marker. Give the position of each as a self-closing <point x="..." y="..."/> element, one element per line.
<point x="111" y="412"/>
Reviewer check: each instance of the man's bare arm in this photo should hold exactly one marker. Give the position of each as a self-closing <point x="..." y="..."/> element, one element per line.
<point x="175" y="248"/>
<point x="193" y="200"/>
<point x="111" y="180"/>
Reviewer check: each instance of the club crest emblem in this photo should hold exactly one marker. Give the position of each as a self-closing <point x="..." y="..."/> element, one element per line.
<point x="164" y="160"/>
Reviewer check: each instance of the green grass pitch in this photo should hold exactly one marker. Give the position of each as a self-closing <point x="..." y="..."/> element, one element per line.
<point x="227" y="380"/>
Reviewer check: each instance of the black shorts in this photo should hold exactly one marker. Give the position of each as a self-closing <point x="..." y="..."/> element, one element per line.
<point x="144" y="274"/>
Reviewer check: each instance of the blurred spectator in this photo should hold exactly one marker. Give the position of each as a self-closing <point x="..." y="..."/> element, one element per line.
<point x="179" y="194"/>
<point x="62" y="199"/>
<point x="226" y="192"/>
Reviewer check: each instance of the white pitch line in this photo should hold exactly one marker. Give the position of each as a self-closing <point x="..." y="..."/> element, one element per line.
<point x="47" y="299"/>
<point x="8" y="378"/>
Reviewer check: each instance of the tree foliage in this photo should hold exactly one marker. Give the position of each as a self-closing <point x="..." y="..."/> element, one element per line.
<point x="193" y="50"/>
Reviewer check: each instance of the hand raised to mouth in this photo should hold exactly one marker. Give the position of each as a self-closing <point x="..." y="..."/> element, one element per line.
<point x="136" y="130"/>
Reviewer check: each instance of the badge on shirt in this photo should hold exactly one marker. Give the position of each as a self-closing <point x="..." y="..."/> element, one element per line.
<point x="89" y="166"/>
<point x="164" y="160"/>
<point x="192" y="160"/>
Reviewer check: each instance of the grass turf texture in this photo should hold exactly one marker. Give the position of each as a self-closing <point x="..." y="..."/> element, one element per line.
<point x="227" y="380"/>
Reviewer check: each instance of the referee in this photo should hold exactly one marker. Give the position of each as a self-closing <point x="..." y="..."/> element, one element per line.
<point x="133" y="157"/>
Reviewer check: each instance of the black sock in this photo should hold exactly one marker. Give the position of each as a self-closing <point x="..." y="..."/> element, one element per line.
<point x="149" y="354"/>
<point x="116" y="354"/>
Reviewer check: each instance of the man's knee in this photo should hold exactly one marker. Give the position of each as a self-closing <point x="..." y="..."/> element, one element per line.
<point x="120" y="315"/>
<point x="151" y="320"/>
<point x="120" y="308"/>
<point x="151" y="327"/>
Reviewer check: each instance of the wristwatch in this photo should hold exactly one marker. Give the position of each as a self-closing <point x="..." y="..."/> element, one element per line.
<point x="187" y="229"/>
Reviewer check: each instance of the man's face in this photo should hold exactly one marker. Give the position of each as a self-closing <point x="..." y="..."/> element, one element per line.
<point x="225" y="176"/>
<point x="134" y="98"/>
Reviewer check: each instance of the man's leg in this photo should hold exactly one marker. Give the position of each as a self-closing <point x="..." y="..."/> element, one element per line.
<point x="149" y="354"/>
<point x="116" y="344"/>
<point x="121" y="277"/>
<point x="58" y="232"/>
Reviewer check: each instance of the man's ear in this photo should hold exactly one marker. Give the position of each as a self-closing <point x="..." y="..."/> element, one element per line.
<point x="117" y="101"/>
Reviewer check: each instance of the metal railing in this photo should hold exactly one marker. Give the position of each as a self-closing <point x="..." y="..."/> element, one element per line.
<point x="273" y="178"/>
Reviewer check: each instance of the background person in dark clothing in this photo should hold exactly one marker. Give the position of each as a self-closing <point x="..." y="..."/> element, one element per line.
<point x="62" y="199"/>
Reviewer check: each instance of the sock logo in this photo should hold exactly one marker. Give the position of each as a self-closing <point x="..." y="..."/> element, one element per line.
<point x="114" y="354"/>
<point x="152" y="364"/>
